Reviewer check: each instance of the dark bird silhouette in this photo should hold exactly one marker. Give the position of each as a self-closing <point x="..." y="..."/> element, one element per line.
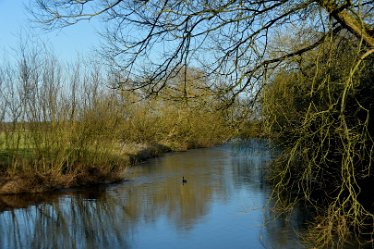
<point x="184" y="180"/>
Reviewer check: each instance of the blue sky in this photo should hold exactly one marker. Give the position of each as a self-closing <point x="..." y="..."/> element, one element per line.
<point x="80" y="39"/>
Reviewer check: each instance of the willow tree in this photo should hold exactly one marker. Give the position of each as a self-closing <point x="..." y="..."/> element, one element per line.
<point x="240" y="46"/>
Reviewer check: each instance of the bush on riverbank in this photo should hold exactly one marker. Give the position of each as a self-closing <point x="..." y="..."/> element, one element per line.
<point x="184" y="115"/>
<point x="63" y="127"/>
<point x="322" y="114"/>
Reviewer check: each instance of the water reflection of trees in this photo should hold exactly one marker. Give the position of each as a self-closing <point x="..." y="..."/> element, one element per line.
<point x="109" y="217"/>
<point x="283" y="231"/>
<point x="77" y="222"/>
<point x="100" y="222"/>
<point x="166" y="195"/>
<point x="249" y="160"/>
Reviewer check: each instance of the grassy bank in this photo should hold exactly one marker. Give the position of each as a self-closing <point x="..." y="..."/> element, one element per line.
<point x="84" y="173"/>
<point x="25" y="171"/>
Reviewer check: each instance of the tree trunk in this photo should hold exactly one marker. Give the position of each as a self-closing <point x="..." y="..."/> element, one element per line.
<point x="349" y="21"/>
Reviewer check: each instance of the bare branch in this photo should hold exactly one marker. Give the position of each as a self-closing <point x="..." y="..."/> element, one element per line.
<point x="149" y="41"/>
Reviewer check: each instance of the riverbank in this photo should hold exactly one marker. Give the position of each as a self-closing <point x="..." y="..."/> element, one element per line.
<point x="83" y="175"/>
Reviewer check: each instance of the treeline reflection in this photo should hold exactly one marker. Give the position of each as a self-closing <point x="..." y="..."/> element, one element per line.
<point x="109" y="217"/>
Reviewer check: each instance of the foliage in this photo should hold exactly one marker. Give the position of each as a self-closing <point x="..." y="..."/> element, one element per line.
<point x="322" y="113"/>
<point x="57" y="122"/>
<point x="184" y="115"/>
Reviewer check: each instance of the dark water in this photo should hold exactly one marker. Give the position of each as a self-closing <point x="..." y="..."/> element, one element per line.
<point x="222" y="205"/>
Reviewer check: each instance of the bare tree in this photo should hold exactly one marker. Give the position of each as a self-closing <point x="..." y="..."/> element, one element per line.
<point x="228" y="39"/>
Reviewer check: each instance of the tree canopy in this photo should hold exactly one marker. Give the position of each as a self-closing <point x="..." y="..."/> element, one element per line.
<point x="234" y="40"/>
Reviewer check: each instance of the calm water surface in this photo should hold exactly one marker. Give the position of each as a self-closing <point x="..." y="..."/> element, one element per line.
<point x="224" y="204"/>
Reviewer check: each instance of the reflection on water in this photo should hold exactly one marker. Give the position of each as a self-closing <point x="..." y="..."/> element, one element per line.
<point x="221" y="206"/>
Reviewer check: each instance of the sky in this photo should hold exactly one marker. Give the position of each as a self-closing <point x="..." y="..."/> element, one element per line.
<point x="80" y="39"/>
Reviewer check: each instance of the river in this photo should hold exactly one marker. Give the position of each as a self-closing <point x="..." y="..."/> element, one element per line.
<point x="223" y="204"/>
